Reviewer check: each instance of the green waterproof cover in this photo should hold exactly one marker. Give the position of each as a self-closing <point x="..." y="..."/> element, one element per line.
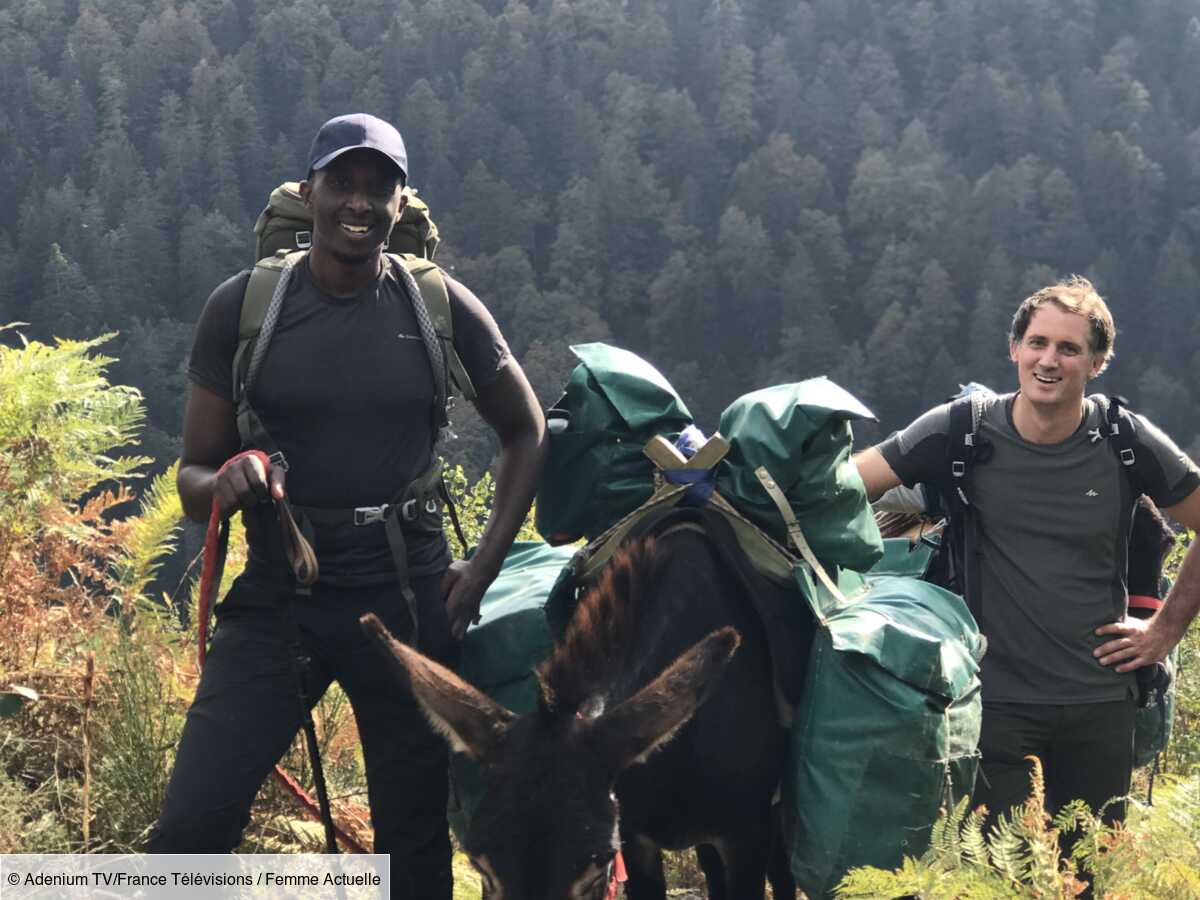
<point x="801" y="434"/>
<point x="500" y="653"/>
<point x="887" y="731"/>
<point x="904" y="557"/>
<point x="595" y="472"/>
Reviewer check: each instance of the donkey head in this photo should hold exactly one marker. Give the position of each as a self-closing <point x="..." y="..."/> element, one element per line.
<point x="546" y="824"/>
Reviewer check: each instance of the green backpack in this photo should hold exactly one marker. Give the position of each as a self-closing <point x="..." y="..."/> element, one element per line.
<point x="286" y="224"/>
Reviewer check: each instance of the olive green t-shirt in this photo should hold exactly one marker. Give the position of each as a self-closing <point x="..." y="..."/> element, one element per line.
<point x="1054" y="531"/>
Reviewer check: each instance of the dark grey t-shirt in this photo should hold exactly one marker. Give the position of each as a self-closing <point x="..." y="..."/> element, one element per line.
<point x="1054" y="531"/>
<point x="346" y="390"/>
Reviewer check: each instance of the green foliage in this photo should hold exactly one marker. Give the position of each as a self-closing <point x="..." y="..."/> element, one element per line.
<point x="1155" y="854"/>
<point x="1182" y="754"/>
<point x="30" y="813"/>
<point x="149" y="539"/>
<point x="474" y="503"/>
<point x="59" y="420"/>
<point x="135" y="728"/>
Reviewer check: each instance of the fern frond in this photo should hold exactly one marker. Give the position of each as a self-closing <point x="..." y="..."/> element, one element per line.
<point x="974" y="844"/>
<point x="149" y="538"/>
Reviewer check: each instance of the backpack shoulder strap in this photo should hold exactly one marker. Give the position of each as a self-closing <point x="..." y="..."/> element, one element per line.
<point x="963" y="446"/>
<point x="960" y="539"/>
<point x="254" y="330"/>
<point x="1120" y="430"/>
<point x="259" y="291"/>
<point x="431" y="284"/>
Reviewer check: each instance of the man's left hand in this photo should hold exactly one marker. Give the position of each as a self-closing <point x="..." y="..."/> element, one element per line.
<point x="463" y="587"/>
<point x="1136" y="643"/>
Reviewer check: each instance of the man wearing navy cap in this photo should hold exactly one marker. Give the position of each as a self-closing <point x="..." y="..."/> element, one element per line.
<point x="348" y="397"/>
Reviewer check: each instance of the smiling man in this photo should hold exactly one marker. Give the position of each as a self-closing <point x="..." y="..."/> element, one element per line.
<point x="1049" y="504"/>
<point x="350" y="397"/>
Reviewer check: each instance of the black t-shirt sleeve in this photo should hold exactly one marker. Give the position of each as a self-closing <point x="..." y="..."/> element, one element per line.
<point x="918" y="453"/>
<point x="1168" y="475"/>
<point x="211" y="362"/>
<point x="477" y="338"/>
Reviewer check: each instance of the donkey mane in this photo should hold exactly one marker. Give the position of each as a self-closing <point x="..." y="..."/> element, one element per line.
<point x="594" y="650"/>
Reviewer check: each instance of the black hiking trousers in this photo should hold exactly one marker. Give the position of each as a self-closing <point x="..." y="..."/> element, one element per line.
<point x="1086" y="751"/>
<point x="247" y="712"/>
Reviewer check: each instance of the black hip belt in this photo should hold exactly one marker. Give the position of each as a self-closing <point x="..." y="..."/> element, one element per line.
<point x="416" y="508"/>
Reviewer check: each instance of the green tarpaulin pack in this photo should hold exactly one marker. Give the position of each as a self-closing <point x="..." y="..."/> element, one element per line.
<point x="800" y="433"/>
<point x="887" y="730"/>
<point x="500" y="653"/>
<point x="595" y="472"/>
<point x="905" y="557"/>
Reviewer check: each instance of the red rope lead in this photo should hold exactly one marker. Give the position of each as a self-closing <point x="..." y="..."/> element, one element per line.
<point x="214" y="554"/>
<point x="293" y="787"/>
<point x="618" y="876"/>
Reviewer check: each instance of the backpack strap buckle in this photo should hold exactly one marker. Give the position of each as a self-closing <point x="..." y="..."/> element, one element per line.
<point x="1127" y="456"/>
<point x="958" y="468"/>
<point x="278" y="459"/>
<point x="408" y="510"/>
<point x="303" y="240"/>
<point x="369" y="515"/>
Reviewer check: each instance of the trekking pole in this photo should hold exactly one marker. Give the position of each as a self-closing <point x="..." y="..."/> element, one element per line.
<point x="1153" y="773"/>
<point x="310" y="730"/>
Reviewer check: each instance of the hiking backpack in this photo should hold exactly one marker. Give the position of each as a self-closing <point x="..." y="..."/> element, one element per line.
<point x="286" y="224"/>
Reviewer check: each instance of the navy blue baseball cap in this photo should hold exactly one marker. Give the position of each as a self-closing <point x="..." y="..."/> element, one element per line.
<point x="355" y="131"/>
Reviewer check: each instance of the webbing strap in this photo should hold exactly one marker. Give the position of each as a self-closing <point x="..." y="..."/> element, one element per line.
<point x="1142" y="601"/>
<point x="795" y="534"/>
<point x="399" y="550"/>
<point x="216" y="542"/>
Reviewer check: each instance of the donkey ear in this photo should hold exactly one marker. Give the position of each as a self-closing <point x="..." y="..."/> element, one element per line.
<point x="469" y="721"/>
<point x="633" y="730"/>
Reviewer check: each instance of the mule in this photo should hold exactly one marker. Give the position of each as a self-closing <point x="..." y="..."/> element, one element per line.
<point x="656" y="728"/>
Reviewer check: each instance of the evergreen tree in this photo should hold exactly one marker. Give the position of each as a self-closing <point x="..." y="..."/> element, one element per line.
<point x="774" y="184"/>
<point x="70" y="306"/>
<point x="735" y="122"/>
<point x="211" y="249"/>
<point x="986" y="359"/>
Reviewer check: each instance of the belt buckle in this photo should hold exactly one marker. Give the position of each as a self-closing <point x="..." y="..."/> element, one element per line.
<point x="369" y="515"/>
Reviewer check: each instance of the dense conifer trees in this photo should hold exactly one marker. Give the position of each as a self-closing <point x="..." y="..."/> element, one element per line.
<point x="743" y="191"/>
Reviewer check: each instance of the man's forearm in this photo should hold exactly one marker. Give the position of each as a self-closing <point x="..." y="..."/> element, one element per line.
<point x="195" y="485"/>
<point x="1183" y="602"/>
<point x="516" y="483"/>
